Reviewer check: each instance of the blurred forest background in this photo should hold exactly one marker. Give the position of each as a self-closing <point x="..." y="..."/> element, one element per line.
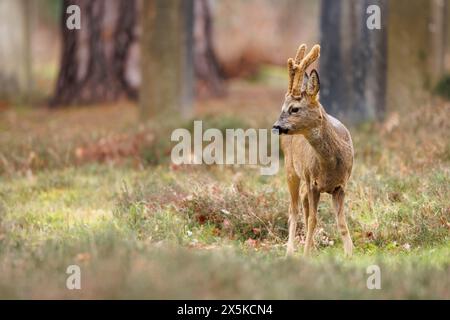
<point x="215" y="42"/>
<point x="85" y="123"/>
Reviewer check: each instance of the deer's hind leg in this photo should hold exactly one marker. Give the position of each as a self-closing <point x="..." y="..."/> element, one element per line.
<point x="338" y="204"/>
<point x="313" y="201"/>
<point x="293" y="183"/>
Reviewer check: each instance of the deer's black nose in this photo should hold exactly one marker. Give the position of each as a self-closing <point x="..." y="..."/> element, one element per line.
<point x="278" y="129"/>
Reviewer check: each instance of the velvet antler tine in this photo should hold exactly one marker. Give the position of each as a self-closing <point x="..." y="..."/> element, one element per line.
<point x="291" y="73"/>
<point x="300" y="53"/>
<point x="291" y="65"/>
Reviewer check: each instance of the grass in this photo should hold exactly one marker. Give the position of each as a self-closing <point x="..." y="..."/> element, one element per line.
<point x="103" y="195"/>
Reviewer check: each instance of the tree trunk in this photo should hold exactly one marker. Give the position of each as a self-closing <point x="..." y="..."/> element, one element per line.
<point x="353" y="60"/>
<point x="207" y="68"/>
<point x="333" y="91"/>
<point x="94" y="59"/>
<point x="125" y="38"/>
<point x="15" y="50"/>
<point x="438" y="28"/>
<point x="167" y="58"/>
<point x="101" y="62"/>
<point x="409" y="51"/>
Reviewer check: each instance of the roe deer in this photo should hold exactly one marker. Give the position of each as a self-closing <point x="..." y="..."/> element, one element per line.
<point x="318" y="151"/>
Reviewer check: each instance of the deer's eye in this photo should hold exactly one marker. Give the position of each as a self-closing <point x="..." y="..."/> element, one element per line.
<point x="294" y="110"/>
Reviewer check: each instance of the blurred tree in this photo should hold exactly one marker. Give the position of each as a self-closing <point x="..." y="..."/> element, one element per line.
<point x="167" y="57"/>
<point x="207" y="68"/>
<point x="438" y="28"/>
<point x="15" y="49"/>
<point x="353" y="60"/>
<point x="94" y="58"/>
<point x="101" y="61"/>
<point x="415" y="43"/>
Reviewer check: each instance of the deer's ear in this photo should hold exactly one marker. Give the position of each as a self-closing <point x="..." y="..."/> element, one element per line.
<point x="305" y="82"/>
<point x="313" y="85"/>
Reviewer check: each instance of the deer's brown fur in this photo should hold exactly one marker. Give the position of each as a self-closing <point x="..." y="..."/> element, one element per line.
<point x="318" y="151"/>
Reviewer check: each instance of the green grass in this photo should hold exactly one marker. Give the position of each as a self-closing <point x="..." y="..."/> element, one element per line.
<point x="137" y="234"/>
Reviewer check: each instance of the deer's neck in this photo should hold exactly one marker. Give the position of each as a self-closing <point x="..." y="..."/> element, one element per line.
<point x="326" y="143"/>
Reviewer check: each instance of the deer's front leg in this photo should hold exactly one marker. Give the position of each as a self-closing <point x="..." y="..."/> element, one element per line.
<point x="313" y="201"/>
<point x="305" y="205"/>
<point x="338" y="204"/>
<point x="293" y="183"/>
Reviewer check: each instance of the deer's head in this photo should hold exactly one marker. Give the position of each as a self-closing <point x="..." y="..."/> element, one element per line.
<point x="301" y="110"/>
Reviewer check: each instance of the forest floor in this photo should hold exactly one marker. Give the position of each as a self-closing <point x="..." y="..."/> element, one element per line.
<point x="89" y="187"/>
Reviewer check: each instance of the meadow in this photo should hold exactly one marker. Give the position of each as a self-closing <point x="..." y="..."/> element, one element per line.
<point x="94" y="187"/>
